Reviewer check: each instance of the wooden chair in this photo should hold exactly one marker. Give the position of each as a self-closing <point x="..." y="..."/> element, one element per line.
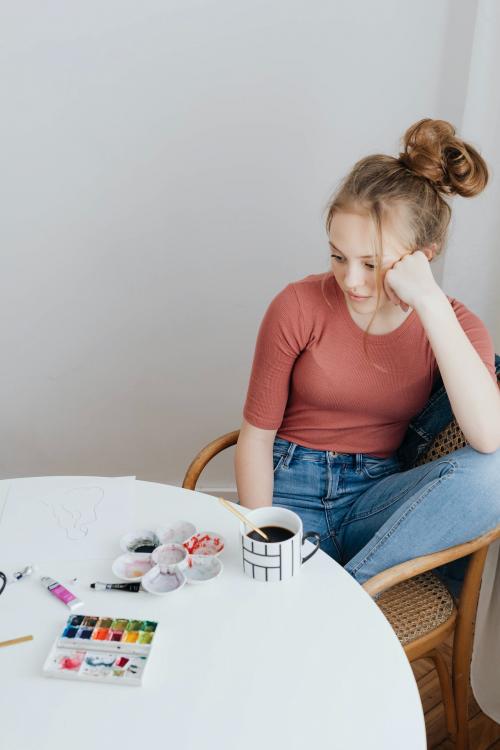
<point x="417" y="604"/>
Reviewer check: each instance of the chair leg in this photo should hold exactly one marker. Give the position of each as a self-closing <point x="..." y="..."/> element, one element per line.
<point x="446" y="690"/>
<point x="461" y="676"/>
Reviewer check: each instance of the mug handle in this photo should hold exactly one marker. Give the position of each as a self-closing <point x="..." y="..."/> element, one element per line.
<point x="311" y="535"/>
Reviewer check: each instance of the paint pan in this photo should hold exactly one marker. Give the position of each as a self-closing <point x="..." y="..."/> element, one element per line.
<point x="100" y="634"/>
<point x="202" y="569"/>
<point x="89" y="622"/>
<point x="143" y="541"/>
<point x="159" y="583"/>
<point x="178" y="532"/>
<point x="132" y="567"/>
<point x="205" y="543"/>
<point x="70" y="631"/>
<point x="169" y="556"/>
<point x="84" y="634"/>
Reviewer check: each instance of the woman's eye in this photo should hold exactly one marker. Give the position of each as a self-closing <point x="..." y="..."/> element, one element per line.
<point x="339" y="259"/>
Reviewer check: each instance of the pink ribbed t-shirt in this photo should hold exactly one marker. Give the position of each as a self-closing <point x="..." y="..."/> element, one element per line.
<point x="312" y="381"/>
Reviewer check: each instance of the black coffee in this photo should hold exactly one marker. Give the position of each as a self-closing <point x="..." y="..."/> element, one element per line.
<point x="275" y="534"/>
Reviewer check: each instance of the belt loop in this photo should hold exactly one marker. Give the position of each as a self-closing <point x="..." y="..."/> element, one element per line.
<point x="289" y="454"/>
<point x="359" y="462"/>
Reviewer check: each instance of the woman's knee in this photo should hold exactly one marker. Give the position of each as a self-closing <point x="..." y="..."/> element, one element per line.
<point x="481" y="474"/>
<point x="483" y="465"/>
<point x="486" y="466"/>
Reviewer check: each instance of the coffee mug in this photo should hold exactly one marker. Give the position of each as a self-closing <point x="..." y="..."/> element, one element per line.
<point x="281" y="557"/>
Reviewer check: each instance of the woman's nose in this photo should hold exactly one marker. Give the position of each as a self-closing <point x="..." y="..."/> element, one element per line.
<point x="354" y="277"/>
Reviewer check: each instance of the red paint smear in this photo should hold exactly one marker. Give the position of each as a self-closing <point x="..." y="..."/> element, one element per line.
<point x="203" y="544"/>
<point x="68" y="663"/>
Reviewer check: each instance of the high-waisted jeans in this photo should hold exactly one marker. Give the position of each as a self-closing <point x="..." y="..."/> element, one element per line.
<point x="371" y="515"/>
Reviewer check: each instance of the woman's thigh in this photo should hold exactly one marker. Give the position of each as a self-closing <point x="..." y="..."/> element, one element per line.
<point x="422" y="510"/>
<point x="300" y="485"/>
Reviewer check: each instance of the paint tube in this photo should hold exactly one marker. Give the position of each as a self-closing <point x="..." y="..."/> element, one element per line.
<point x="98" y="586"/>
<point x="62" y="593"/>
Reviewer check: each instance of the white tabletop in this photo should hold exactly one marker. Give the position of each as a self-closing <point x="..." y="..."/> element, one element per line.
<point x="235" y="663"/>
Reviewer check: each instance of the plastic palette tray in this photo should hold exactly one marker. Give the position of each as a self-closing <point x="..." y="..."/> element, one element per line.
<point x="102" y="649"/>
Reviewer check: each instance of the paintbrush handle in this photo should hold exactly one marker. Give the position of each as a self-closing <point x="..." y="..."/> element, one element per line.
<point x="243" y="518"/>
<point x="16" y="640"/>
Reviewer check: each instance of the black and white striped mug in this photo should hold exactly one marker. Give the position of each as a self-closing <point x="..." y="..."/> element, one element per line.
<point x="281" y="557"/>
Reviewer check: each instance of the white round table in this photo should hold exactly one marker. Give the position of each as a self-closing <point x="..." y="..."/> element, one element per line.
<point x="236" y="663"/>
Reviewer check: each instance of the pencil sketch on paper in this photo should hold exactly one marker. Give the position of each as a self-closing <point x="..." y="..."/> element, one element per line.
<point x="74" y="510"/>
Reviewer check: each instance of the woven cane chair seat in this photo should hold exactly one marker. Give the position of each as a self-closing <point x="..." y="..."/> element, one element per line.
<point x="450" y="439"/>
<point x="417" y="606"/>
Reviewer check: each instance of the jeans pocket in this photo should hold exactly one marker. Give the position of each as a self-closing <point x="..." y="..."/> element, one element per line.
<point x="376" y="468"/>
<point x="278" y="459"/>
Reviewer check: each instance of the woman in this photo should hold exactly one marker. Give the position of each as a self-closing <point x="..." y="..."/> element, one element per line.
<point x="345" y="359"/>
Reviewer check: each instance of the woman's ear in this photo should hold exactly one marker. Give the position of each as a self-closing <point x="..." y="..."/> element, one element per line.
<point x="429" y="251"/>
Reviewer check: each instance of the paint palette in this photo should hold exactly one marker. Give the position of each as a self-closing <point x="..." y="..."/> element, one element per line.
<point x="178" y="554"/>
<point x="102" y="649"/>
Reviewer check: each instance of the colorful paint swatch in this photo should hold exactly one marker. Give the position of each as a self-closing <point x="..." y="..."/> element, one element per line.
<point x="71" y="660"/>
<point x="104" y="622"/>
<point x="84" y="633"/>
<point x="119" y="624"/>
<point x="133" y="625"/>
<point x="80" y="627"/>
<point x="100" y="634"/>
<point x="131" y="636"/>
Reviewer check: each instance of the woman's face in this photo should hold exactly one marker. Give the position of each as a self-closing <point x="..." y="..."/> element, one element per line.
<point x="353" y="262"/>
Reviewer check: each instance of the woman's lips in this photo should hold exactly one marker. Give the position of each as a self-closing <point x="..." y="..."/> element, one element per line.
<point x="355" y="296"/>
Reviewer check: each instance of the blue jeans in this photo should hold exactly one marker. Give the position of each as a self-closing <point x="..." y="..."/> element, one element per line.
<point x="372" y="514"/>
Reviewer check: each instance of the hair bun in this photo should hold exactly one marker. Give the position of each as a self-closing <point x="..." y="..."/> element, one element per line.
<point x="432" y="150"/>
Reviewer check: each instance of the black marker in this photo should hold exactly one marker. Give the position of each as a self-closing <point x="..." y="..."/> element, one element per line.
<point x="116" y="586"/>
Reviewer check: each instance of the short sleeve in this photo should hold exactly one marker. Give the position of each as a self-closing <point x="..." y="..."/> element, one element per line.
<point x="478" y="335"/>
<point x="280" y="341"/>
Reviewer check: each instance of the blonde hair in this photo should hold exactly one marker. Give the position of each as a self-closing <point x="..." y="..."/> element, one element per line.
<point x="410" y="189"/>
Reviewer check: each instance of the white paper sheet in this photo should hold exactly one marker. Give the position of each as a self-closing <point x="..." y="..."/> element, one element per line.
<point x="65" y="518"/>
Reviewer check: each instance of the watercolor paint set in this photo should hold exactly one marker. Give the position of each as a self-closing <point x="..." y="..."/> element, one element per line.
<point x="102" y="649"/>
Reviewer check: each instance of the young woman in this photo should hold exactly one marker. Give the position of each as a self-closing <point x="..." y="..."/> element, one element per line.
<point x="345" y="359"/>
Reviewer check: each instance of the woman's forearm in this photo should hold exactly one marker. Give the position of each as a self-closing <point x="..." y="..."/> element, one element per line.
<point x="253" y="465"/>
<point x="473" y="395"/>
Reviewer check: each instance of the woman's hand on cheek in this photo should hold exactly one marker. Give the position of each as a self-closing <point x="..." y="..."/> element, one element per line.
<point x="391" y="294"/>
<point x="410" y="280"/>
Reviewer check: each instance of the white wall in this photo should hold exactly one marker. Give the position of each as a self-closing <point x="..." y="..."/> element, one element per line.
<point x="165" y="169"/>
